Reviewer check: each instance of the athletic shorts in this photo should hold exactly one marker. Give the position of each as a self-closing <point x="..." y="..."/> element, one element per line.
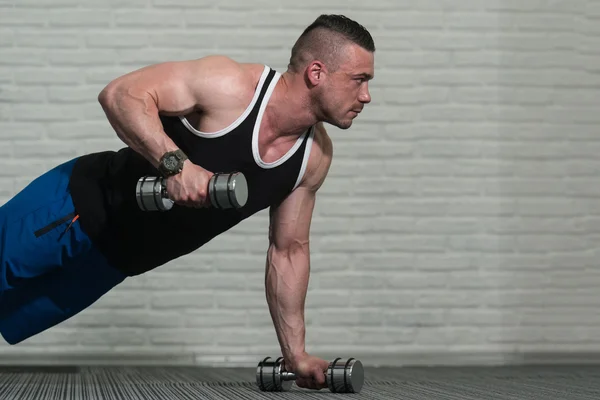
<point x="49" y="269"/>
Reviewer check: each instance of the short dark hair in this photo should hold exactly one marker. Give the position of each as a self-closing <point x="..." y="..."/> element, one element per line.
<point x="324" y="38"/>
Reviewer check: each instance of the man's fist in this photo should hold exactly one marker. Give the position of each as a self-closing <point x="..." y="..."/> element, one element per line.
<point x="190" y="187"/>
<point x="310" y="371"/>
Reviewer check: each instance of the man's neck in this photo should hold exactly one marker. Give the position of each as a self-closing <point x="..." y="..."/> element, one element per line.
<point x="288" y="113"/>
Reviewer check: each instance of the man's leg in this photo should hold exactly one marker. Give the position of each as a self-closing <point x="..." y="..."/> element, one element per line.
<point x="49" y="268"/>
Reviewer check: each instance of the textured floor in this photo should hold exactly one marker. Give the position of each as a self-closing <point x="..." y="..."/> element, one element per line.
<point x="119" y="383"/>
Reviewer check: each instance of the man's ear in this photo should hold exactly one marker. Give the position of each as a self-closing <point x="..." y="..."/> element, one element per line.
<point x="315" y="72"/>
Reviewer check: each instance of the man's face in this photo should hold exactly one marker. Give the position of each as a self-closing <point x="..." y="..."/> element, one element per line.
<point x="345" y="92"/>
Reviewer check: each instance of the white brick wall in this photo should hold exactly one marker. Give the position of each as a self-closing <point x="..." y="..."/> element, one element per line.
<point x="461" y="218"/>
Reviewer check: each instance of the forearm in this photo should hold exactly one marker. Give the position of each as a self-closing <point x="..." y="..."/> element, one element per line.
<point x="133" y="114"/>
<point x="286" y="284"/>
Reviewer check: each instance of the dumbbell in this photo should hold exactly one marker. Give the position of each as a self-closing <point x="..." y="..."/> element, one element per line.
<point x="342" y="376"/>
<point x="224" y="191"/>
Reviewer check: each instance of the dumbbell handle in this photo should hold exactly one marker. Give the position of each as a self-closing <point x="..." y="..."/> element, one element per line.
<point x="290" y="376"/>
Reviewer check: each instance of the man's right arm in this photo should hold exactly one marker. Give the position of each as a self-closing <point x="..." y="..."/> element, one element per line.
<point x="133" y="101"/>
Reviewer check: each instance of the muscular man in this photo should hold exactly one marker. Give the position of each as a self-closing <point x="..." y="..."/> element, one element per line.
<point x="76" y="231"/>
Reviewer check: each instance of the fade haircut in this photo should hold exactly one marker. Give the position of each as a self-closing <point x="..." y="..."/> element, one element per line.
<point x="325" y="39"/>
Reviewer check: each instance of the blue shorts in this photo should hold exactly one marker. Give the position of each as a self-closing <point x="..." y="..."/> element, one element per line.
<point x="49" y="269"/>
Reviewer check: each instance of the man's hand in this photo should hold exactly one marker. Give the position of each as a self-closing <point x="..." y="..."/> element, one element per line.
<point x="310" y="371"/>
<point x="190" y="187"/>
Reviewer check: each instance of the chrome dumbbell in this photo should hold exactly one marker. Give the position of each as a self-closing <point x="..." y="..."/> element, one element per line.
<point x="224" y="190"/>
<point x="342" y="376"/>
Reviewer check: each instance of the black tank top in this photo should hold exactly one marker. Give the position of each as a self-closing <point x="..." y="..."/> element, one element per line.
<point x="103" y="188"/>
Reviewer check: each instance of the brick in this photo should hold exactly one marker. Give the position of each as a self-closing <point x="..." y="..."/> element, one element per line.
<point x="80" y="18"/>
<point x="33" y="4"/>
<point x="471" y="22"/>
<point x="336" y="4"/>
<point x="181" y="336"/>
<point x="49" y="112"/>
<point x="47" y="40"/>
<point x="182" y="3"/>
<point x="148" y="18"/>
<point x="101" y="337"/>
<point x="77" y="94"/>
<point x="59" y="336"/>
<point x="82" y="58"/>
<point x="197" y="281"/>
<point x="130" y="319"/>
<point x="122" y="297"/>
<point x="240" y="300"/>
<point x="116" y="40"/>
<point x="576" y="6"/>
<point x="29" y="95"/>
<point x="486" y="317"/>
<point x="415" y="96"/>
<point x="541" y="242"/>
<point x="138" y="58"/>
<point x="449" y="336"/>
<point x="18" y="168"/>
<point x="14" y="58"/>
<point x="592" y="9"/>
<point x="564" y="22"/>
<point x="103" y="76"/>
<point x="265" y="18"/>
<point x="247" y="337"/>
<point x="375" y="337"/>
<point x="449" y="298"/>
<point x="45" y="76"/>
<point x="442" y="149"/>
<point x="488" y="243"/>
<point x="214" y="318"/>
<point x="79" y="130"/>
<point x="43" y="149"/>
<point x="114" y="4"/>
<point x="182" y="300"/>
<point x="372" y="150"/>
<point x="23" y="17"/>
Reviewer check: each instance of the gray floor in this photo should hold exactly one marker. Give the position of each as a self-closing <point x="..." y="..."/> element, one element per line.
<point x="116" y="383"/>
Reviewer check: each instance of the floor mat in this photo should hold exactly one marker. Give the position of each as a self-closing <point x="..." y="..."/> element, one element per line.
<point x="460" y="383"/>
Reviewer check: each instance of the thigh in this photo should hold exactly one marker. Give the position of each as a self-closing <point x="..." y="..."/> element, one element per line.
<point x="48" y="300"/>
<point x="36" y="234"/>
<point x="49" y="268"/>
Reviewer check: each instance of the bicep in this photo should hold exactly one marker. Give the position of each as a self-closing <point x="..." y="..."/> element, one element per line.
<point x="290" y="220"/>
<point x="177" y="87"/>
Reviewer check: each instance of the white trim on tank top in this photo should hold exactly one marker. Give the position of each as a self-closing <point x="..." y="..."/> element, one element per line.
<point x="238" y="121"/>
<point x="255" y="133"/>
<point x="309" y="143"/>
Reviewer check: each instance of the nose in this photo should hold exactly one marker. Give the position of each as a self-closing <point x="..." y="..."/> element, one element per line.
<point x="365" y="96"/>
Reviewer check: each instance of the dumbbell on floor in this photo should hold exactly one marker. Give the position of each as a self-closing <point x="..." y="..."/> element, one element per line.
<point x="342" y="376"/>
<point x="224" y="191"/>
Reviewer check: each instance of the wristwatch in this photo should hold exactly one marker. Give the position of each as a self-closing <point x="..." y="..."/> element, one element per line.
<point x="171" y="163"/>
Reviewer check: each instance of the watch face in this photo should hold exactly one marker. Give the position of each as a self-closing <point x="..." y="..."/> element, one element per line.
<point x="171" y="162"/>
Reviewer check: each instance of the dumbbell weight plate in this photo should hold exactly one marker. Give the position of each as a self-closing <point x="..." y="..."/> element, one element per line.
<point x="228" y="190"/>
<point x="149" y="190"/>
<point x="345" y="376"/>
<point x="268" y="376"/>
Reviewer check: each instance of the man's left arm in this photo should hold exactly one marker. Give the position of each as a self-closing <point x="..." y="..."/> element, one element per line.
<point x="288" y="266"/>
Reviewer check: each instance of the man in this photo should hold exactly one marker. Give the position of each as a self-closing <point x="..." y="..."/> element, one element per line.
<point x="76" y="231"/>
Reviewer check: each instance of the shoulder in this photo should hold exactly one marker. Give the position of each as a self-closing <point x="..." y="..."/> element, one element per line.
<point x="319" y="161"/>
<point x="225" y="82"/>
<point x="221" y="67"/>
